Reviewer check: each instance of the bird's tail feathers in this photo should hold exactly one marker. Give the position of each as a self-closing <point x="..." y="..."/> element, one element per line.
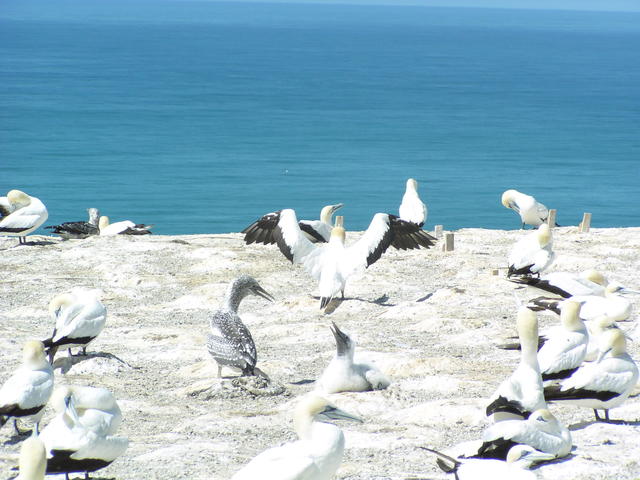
<point x="446" y="463"/>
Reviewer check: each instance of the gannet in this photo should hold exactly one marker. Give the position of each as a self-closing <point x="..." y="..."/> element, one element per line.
<point x="261" y="231"/>
<point x="21" y="215"/>
<point x="530" y="210"/>
<point x="603" y="384"/>
<point x="518" y="460"/>
<point x="594" y="307"/>
<point x="596" y="328"/>
<point x="412" y="209"/>
<point x="79" y="317"/>
<point x="125" y="227"/>
<point x="522" y="392"/>
<point x="332" y="264"/>
<point x="343" y="375"/>
<point x="566" y="345"/>
<point x="315" y="456"/>
<point x="541" y="431"/>
<point x="230" y="342"/>
<point x="565" y="285"/>
<point x="33" y="459"/>
<point x="77" y="230"/>
<point x="27" y="391"/>
<point x="96" y="407"/>
<point x="532" y="254"/>
<point x="72" y="447"/>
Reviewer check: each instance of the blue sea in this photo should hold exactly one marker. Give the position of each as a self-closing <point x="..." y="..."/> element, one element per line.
<point x="200" y="116"/>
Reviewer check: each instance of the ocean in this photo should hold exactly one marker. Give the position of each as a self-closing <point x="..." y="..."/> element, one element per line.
<point x="199" y="117"/>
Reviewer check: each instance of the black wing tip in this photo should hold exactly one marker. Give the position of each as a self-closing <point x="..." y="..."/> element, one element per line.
<point x="504" y="405"/>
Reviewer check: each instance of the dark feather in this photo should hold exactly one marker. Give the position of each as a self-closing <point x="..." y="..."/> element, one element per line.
<point x="261" y="231"/>
<point x="544" y="303"/>
<point x="504" y="405"/>
<point x="14" y="410"/>
<point x="498" y="449"/>
<point x="540" y="284"/>
<point x="553" y="393"/>
<point x="561" y="375"/>
<point x="308" y="229"/>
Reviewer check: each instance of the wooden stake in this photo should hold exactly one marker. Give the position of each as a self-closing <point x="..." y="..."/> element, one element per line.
<point x="585" y="224"/>
<point x="339" y="221"/>
<point x="437" y="231"/>
<point x="551" y="219"/>
<point x="447" y="246"/>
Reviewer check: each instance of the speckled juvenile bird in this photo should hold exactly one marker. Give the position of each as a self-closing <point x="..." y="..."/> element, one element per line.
<point x="230" y="342"/>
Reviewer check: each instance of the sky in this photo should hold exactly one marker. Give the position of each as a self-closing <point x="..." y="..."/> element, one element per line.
<point x="590" y="5"/>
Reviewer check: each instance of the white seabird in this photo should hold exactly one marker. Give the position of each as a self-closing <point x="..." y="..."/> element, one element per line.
<point x="518" y="460"/>
<point x="530" y="210"/>
<point x="596" y="328"/>
<point x="565" y="285"/>
<point x="72" y="447"/>
<point x="125" y="227"/>
<point x="541" y="431"/>
<point x="522" y="392"/>
<point x="261" y="231"/>
<point x="78" y="230"/>
<point x="566" y="345"/>
<point x="613" y="305"/>
<point x="80" y="316"/>
<point x="96" y="407"/>
<point x="603" y="384"/>
<point x="532" y="254"/>
<point x="33" y="459"/>
<point x="315" y="456"/>
<point x="332" y="264"/>
<point x="343" y="375"/>
<point x="27" y="391"/>
<point x="230" y="342"/>
<point x="412" y="209"/>
<point x="21" y="214"/>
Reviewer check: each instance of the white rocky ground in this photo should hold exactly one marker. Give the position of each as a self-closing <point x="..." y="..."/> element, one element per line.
<point x="429" y="319"/>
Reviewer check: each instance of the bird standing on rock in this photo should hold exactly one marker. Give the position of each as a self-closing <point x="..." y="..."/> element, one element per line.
<point x="230" y="342"/>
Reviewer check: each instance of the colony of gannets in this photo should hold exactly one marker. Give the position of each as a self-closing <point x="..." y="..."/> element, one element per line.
<point x="97" y="447"/>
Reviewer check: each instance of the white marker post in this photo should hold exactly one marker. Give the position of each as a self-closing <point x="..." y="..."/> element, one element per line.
<point x="437" y="231"/>
<point x="551" y="219"/>
<point x="585" y="224"/>
<point x="447" y="246"/>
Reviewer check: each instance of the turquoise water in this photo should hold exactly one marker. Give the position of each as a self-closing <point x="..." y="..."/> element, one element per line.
<point x="200" y="116"/>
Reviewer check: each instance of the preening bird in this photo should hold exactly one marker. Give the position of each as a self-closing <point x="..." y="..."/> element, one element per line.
<point x="412" y="209"/>
<point x="80" y="316"/>
<point x="21" y="214"/>
<point x="230" y="342"/>
<point x="532" y="254"/>
<point x="73" y="447"/>
<point x="343" y="375"/>
<point x="530" y="210"/>
<point x="541" y="430"/>
<point x="78" y="230"/>
<point x="96" y="407"/>
<point x="332" y="264"/>
<point x="261" y="231"/>
<point x="125" y="227"/>
<point x="315" y="456"/>
<point x="603" y="384"/>
<point x="522" y="392"/>
<point x="27" y="391"/>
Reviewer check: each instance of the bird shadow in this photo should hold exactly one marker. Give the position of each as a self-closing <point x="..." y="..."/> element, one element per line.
<point x="66" y="363"/>
<point x="18" y="437"/>
<point x="336" y="302"/>
<point x="585" y="424"/>
<point x="305" y="381"/>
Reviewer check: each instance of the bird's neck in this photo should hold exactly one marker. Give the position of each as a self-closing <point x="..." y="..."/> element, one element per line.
<point x="233" y="299"/>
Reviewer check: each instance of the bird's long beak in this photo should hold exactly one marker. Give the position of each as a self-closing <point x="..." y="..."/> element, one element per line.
<point x="261" y="292"/>
<point x="334" y="413"/>
<point x="601" y="355"/>
<point x="70" y="407"/>
<point x="336" y="207"/>
<point x="342" y="339"/>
